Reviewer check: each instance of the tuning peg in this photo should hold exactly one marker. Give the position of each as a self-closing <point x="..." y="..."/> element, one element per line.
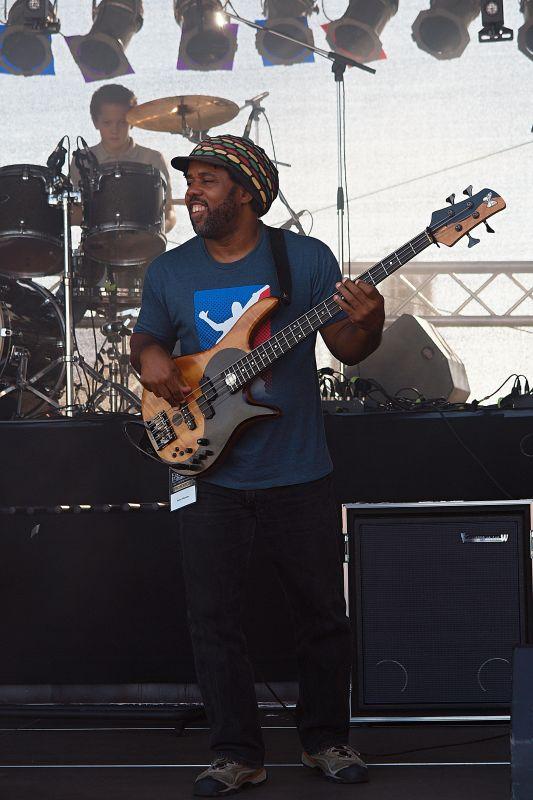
<point x="487" y="226"/>
<point x="451" y="199"/>
<point x="468" y="190"/>
<point x="472" y="241"/>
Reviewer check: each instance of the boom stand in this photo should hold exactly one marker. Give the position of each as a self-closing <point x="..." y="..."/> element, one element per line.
<point x="340" y="63"/>
<point x="257" y="110"/>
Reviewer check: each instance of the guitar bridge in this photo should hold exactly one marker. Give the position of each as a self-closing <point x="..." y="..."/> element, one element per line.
<point x="160" y="430"/>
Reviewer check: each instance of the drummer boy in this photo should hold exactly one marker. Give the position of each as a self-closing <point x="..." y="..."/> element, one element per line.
<point x="109" y="106"/>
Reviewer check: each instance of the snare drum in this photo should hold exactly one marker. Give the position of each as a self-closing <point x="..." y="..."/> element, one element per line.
<point x="100" y="286"/>
<point x="31" y="328"/>
<point x="124" y="214"/>
<point x="31" y="230"/>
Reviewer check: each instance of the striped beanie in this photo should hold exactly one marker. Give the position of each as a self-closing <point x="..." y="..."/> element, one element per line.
<point x="248" y="164"/>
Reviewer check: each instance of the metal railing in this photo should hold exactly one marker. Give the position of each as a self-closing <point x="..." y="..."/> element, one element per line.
<point x="459" y="293"/>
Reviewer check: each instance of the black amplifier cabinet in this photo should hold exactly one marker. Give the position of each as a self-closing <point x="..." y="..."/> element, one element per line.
<point x="439" y="594"/>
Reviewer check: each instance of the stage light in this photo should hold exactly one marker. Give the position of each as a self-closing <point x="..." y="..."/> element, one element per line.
<point x="101" y="51"/>
<point x="442" y="30"/>
<point x="493" y="29"/>
<point x="25" y="47"/>
<point x="356" y="33"/>
<point x="221" y="19"/>
<point x="525" y="33"/>
<point x="207" y="42"/>
<point x="290" y="18"/>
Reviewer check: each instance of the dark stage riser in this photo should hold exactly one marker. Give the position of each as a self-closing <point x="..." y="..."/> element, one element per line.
<point x="390" y="457"/>
<point x="97" y="597"/>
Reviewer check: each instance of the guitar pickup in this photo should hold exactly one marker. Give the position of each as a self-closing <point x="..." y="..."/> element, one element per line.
<point x="160" y="430"/>
<point x="205" y="401"/>
<point x="188" y="417"/>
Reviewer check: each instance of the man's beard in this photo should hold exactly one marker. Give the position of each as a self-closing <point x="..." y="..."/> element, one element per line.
<point x="218" y="223"/>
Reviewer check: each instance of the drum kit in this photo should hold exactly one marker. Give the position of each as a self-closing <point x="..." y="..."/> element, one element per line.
<point x="123" y="230"/>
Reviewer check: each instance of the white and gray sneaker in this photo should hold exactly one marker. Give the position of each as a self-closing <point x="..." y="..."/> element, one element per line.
<point x="225" y="776"/>
<point x="340" y="763"/>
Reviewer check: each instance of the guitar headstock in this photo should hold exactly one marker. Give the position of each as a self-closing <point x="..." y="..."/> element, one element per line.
<point x="457" y="220"/>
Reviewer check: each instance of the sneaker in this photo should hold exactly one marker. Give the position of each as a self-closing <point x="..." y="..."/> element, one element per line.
<point x="227" y="777"/>
<point x="340" y="763"/>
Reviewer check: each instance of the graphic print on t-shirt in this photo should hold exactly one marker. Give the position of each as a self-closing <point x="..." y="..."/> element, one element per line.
<point x="217" y="310"/>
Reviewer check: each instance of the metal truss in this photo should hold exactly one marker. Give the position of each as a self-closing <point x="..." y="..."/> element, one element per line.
<point x="458" y="293"/>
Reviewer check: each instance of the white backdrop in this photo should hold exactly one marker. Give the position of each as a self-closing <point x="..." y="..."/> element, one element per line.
<point x="416" y="131"/>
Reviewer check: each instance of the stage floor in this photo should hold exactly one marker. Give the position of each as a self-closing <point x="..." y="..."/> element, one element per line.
<point x="112" y="759"/>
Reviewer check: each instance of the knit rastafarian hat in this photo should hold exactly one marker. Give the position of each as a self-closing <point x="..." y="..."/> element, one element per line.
<point x="248" y="164"/>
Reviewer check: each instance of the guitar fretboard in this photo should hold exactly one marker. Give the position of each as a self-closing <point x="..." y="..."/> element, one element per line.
<point x="262" y="356"/>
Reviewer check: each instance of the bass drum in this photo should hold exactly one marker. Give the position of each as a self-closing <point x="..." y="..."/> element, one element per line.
<point x="124" y="214"/>
<point x="32" y="334"/>
<point x="31" y="230"/>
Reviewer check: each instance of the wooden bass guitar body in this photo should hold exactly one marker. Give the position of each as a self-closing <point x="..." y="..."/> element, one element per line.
<point x="193" y="437"/>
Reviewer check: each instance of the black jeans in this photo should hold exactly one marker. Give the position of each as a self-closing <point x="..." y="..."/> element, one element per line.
<point x="300" y="527"/>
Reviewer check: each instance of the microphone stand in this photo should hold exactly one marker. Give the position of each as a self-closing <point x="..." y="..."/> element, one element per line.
<point x="63" y="195"/>
<point x="294" y="216"/>
<point x="338" y="68"/>
<point x="255" y="113"/>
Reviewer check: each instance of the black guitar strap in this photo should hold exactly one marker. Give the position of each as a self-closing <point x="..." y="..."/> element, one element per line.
<point x="281" y="261"/>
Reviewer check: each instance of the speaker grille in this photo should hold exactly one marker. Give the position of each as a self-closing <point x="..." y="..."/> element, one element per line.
<point x="439" y="609"/>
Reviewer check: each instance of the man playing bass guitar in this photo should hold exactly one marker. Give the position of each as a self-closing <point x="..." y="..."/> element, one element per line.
<point x="275" y="481"/>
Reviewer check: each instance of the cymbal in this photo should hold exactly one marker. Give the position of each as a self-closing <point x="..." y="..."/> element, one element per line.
<point x="183" y="113"/>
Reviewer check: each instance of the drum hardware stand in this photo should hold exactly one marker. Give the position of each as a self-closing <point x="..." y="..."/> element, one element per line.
<point x="21" y="355"/>
<point x="106" y="385"/>
<point x="116" y="334"/>
<point x="64" y="195"/>
<point x="189" y="133"/>
<point x="195" y="136"/>
<point x="23" y="384"/>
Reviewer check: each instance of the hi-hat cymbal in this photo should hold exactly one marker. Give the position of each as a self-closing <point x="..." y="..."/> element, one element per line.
<point x="183" y="113"/>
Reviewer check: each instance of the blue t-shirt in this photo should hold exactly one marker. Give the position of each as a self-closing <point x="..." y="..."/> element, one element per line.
<point x="191" y="298"/>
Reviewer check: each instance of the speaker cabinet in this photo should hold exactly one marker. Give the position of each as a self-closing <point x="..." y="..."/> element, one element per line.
<point x="414" y="354"/>
<point x="439" y="594"/>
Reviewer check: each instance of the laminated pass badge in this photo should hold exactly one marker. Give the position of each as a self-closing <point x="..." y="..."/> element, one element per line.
<point x="182" y="490"/>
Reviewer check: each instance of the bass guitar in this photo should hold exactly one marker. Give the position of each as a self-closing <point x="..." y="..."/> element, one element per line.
<point x="194" y="436"/>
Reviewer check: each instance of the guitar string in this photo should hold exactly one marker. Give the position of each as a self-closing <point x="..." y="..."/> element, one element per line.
<point x="219" y="382"/>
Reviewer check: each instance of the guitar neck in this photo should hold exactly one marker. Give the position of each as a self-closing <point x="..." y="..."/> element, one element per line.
<point x="262" y="356"/>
